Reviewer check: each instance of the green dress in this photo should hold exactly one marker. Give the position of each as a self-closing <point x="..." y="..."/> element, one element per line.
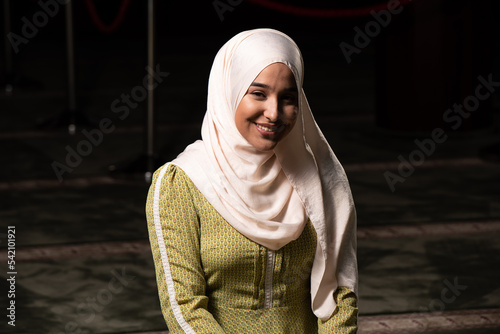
<point x="213" y="279"/>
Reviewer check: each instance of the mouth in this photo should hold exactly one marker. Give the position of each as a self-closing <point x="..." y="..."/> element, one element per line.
<point x="269" y="129"/>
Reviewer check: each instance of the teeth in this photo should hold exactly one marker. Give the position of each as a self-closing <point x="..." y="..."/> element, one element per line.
<point x="265" y="128"/>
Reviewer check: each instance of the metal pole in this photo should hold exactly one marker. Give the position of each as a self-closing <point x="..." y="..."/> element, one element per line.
<point x="71" y="68"/>
<point x="9" y="72"/>
<point x="150" y="124"/>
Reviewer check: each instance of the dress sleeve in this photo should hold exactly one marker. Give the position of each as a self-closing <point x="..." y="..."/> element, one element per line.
<point x="174" y="235"/>
<point x="345" y="317"/>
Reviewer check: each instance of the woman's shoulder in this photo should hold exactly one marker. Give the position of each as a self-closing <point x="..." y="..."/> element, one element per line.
<point x="169" y="169"/>
<point x="170" y="173"/>
<point x="171" y="182"/>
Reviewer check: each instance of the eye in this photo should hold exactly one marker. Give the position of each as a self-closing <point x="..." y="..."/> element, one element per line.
<point x="290" y="98"/>
<point x="258" y="94"/>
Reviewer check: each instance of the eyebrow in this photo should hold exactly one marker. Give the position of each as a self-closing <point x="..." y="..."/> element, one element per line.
<point x="258" y="84"/>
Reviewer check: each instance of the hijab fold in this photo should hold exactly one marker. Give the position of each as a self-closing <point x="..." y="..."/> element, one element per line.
<point x="269" y="196"/>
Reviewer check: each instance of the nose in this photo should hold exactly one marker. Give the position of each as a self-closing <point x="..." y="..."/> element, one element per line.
<point x="272" y="110"/>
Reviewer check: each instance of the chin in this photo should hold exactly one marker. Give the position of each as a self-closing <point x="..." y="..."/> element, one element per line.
<point x="265" y="147"/>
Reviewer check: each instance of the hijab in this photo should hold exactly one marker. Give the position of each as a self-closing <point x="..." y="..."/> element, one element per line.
<point x="269" y="196"/>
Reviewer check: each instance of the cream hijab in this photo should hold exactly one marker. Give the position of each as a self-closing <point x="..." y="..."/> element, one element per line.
<point x="268" y="196"/>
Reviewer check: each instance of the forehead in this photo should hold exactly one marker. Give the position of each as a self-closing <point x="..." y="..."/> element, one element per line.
<point x="276" y="73"/>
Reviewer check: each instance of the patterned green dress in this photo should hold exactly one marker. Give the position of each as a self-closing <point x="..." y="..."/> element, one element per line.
<point x="212" y="279"/>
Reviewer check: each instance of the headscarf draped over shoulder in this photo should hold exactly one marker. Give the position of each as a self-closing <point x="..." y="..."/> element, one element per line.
<point x="268" y="196"/>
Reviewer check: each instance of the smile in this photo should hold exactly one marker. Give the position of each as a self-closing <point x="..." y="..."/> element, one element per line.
<point x="269" y="130"/>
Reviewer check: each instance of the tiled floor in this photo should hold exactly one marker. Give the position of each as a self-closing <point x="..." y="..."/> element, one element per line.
<point x="83" y="261"/>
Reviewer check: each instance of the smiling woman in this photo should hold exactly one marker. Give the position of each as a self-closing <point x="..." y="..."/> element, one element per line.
<point x="267" y="112"/>
<point x="253" y="228"/>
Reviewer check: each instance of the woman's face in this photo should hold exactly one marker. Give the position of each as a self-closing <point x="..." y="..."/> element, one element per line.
<point x="267" y="112"/>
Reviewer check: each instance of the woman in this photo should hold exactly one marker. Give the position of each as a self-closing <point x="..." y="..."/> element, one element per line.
<point x="253" y="228"/>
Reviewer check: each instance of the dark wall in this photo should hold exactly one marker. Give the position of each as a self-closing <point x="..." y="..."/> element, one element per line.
<point x="188" y="27"/>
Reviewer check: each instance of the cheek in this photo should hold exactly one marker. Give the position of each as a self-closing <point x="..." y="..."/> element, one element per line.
<point x="243" y="113"/>
<point x="292" y="124"/>
<point x="291" y="114"/>
<point x="291" y="119"/>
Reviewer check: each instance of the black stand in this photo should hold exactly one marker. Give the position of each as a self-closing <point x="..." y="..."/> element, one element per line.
<point x="149" y="161"/>
<point x="9" y="77"/>
<point x="10" y="82"/>
<point x="71" y="117"/>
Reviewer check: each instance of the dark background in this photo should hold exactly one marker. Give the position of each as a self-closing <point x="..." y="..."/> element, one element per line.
<point x="441" y="222"/>
<point x="431" y="53"/>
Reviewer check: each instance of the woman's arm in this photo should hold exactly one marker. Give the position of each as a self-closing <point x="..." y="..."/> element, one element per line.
<point x="345" y="317"/>
<point x="175" y="242"/>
